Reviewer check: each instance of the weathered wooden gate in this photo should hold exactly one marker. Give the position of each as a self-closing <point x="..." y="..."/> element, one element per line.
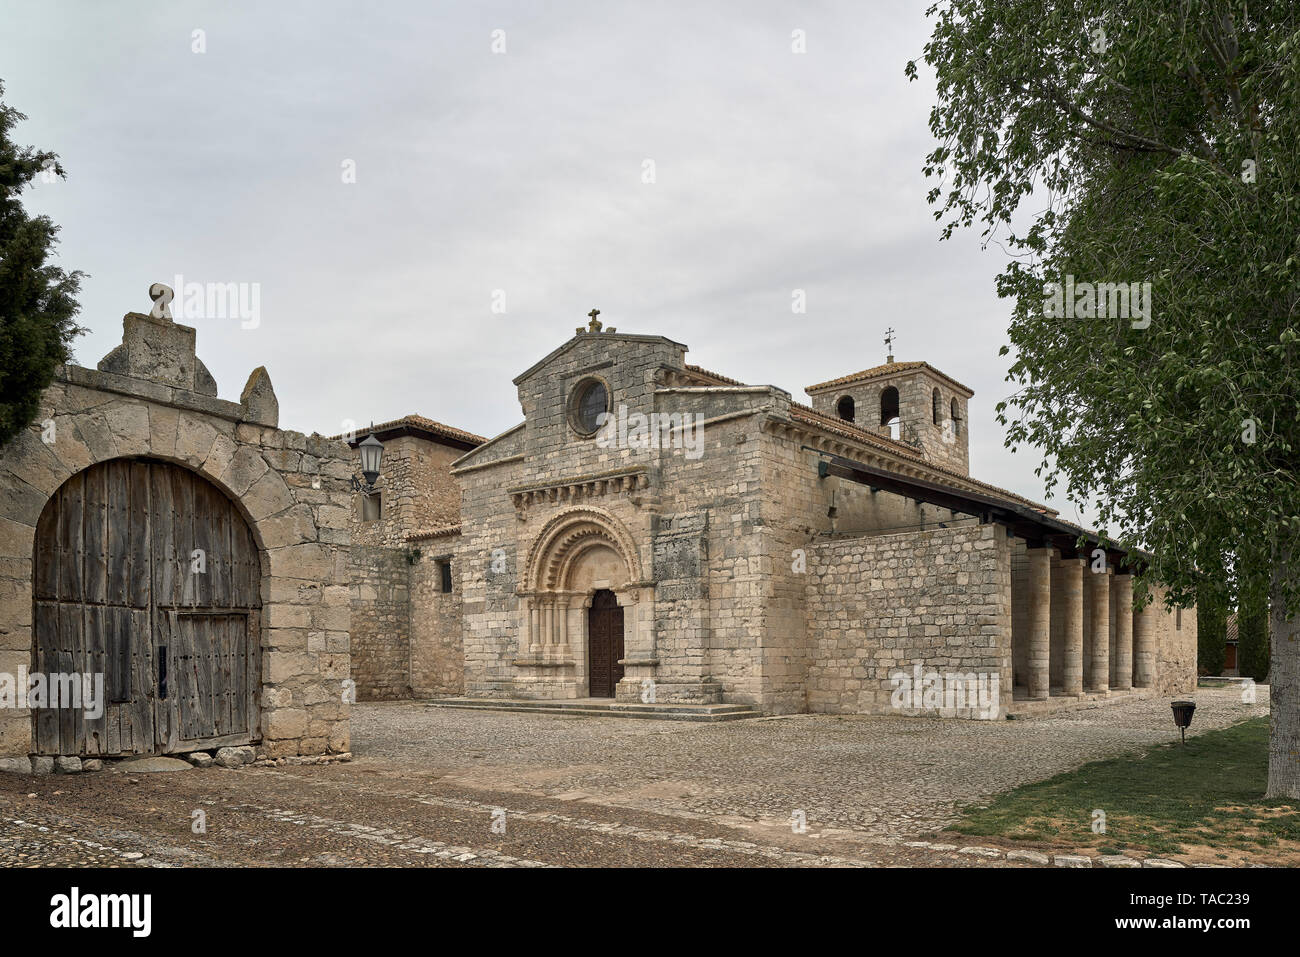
<point x="604" y="644"/>
<point x="146" y="574"/>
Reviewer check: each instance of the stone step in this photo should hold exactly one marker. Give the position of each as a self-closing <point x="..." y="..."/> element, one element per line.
<point x="614" y="709"/>
<point x="1025" y="708"/>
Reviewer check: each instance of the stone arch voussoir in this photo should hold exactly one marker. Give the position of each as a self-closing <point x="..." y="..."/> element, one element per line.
<point x="566" y="536"/>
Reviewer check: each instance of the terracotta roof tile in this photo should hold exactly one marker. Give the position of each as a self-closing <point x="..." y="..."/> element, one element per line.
<point x="887" y="368"/>
<point x="830" y="423"/>
<point x="439" y="532"/>
<point x="420" y="422"/>
<point x="722" y="379"/>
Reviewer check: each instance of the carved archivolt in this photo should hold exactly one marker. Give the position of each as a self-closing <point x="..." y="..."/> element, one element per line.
<point x="566" y="537"/>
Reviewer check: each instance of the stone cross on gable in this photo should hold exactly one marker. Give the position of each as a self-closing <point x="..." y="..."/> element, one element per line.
<point x="594" y="326"/>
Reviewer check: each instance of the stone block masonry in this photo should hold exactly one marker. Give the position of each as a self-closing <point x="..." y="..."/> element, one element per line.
<point x="381" y="621"/>
<point x="882" y="604"/>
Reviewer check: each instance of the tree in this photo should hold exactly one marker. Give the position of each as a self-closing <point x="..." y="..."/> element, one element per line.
<point x="1252" y="635"/>
<point x="37" y="299"/>
<point x="1211" y="628"/>
<point x="1147" y="142"/>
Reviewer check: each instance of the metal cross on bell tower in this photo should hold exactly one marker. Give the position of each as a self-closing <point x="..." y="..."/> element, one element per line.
<point x="889" y="344"/>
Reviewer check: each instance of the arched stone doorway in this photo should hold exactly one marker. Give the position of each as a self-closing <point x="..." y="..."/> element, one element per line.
<point x="147" y="575"/>
<point x="584" y="571"/>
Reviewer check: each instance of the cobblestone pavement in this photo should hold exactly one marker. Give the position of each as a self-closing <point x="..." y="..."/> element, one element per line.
<point x="428" y="784"/>
<point x="883" y="777"/>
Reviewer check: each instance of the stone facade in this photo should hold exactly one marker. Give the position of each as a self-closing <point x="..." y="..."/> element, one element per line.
<point x="151" y="397"/>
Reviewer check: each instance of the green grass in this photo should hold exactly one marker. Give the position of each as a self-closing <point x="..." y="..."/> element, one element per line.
<point x="1208" y="793"/>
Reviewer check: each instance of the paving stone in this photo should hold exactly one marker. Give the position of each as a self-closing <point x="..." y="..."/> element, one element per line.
<point x="981" y="851"/>
<point x="1071" y="860"/>
<point x="1119" y="860"/>
<point x="1033" y="857"/>
<point x="1160" y="862"/>
<point x="151" y="765"/>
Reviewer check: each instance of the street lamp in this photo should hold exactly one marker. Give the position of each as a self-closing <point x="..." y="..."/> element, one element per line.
<point x="372" y="453"/>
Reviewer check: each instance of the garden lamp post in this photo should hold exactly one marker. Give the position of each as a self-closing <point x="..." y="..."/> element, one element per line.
<point x="1183" y="716"/>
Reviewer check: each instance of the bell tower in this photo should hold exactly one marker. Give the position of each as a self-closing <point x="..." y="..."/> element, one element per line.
<point x="912" y="402"/>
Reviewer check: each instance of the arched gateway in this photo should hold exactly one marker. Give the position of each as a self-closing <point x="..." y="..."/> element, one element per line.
<point x="147" y="574"/>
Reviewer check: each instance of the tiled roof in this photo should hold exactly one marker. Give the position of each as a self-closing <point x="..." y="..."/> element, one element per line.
<point x="806" y="413"/>
<point x="1232" y="627"/>
<point x="439" y="532"/>
<point x="830" y="423"/>
<point x="887" y="368"/>
<point x="722" y="379"/>
<point x="420" y="422"/>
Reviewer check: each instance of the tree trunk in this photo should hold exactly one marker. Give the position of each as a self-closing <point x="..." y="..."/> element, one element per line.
<point x="1284" y="694"/>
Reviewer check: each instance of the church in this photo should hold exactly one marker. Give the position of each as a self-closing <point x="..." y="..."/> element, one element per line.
<point x="654" y="536"/>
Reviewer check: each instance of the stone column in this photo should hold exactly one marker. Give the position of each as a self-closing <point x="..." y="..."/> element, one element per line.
<point x="562" y="646"/>
<point x="1122" y="595"/>
<point x="1072" y="589"/>
<point x="1039" y="619"/>
<point x="534" y="627"/>
<point x="1098" y="585"/>
<point x="1144" y="646"/>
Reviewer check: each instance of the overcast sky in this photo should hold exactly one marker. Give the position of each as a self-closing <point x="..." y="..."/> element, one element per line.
<point x="519" y="171"/>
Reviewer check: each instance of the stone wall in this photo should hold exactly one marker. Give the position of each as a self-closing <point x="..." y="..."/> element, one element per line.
<point x="1175" y="639"/>
<point x="381" y="622"/>
<point x="437" y="653"/>
<point x="881" y="604"/>
<point x="152" y="397"/>
<point x="416" y="491"/>
<point x="486" y="567"/>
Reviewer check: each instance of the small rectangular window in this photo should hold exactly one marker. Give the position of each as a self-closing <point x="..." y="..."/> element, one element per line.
<point x="371" y="509"/>
<point x="1178" y="620"/>
<point x="444" y="569"/>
